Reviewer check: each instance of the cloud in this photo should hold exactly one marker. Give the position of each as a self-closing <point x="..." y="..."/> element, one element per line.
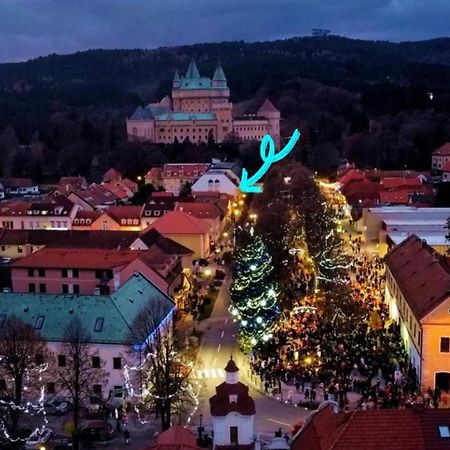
<point x="30" y="28"/>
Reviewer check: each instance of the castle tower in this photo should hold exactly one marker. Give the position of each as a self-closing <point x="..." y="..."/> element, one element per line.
<point x="232" y="411"/>
<point x="192" y="71"/>
<point x="272" y="114"/>
<point x="176" y="83"/>
<point x="219" y="80"/>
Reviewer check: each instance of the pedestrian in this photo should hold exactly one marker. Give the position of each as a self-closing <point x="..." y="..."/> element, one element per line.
<point x="126" y="435"/>
<point x="117" y="425"/>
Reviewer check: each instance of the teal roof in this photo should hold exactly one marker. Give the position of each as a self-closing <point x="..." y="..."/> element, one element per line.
<point x="192" y="71"/>
<point x="141" y="113"/>
<point x="118" y="310"/>
<point x="187" y="116"/>
<point x="176" y="77"/>
<point x="196" y="83"/>
<point x="218" y="74"/>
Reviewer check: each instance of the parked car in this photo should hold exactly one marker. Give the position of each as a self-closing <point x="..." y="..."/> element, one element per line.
<point x="38" y="438"/>
<point x="96" y="430"/>
<point x="57" y="406"/>
<point x="60" y="441"/>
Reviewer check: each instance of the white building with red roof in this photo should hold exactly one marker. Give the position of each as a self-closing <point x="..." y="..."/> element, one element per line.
<point x="233" y="413"/>
<point x="440" y="162"/>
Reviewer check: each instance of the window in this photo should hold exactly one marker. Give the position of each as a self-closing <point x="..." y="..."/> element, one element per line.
<point x="61" y="360"/>
<point x="39" y="322"/>
<point x="50" y="388"/>
<point x="98" y="273"/>
<point x="64" y="273"/>
<point x="30" y="272"/>
<point x="3" y="248"/>
<point x="234" y="435"/>
<point x="31" y="287"/>
<point x="39" y="359"/>
<point x="65" y="288"/>
<point x="43" y="288"/>
<point x="41" y="272"/>
<point x="117" y="363"/>
<point x="96" y="362"/>
<point x="97" y="388"/>
<point x="444" y="431"/>
<point x="99" y="324"/>
<point x="75" y="273"/>
<point x="76" y="288"/>
<point x="19" y="249"/>
<point x="445" y="345"/>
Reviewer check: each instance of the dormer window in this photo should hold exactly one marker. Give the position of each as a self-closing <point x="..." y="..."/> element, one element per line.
<point x="233" y="398"/>
<point x="123" y="221"/>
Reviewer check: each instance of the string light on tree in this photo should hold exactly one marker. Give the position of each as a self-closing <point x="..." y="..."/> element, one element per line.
<point x="254" y="294"/>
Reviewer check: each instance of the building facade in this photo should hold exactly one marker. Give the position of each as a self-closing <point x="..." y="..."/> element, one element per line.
<point x="418" y="296"/>
<point x="200" y="110"/>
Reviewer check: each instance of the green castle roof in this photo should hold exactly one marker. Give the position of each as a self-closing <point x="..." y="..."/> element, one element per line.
<point x="218" y="74"/>
<point x="192" y="71"/>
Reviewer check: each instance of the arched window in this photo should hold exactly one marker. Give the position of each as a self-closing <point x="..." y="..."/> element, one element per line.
<point x="134" y="131"/>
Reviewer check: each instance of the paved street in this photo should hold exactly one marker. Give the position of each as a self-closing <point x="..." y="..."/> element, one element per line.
<point x="218" y="343"/>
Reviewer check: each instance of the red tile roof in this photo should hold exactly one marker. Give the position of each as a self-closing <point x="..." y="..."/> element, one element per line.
<point x="350" y="175"/>
<point x="201" y="210"/>
<point x="116" y="189"/>
<point x="221" y="404"/>
<point x="422" y="275"/>
<point x="399" y="182"/>
<point x="124" y="212"/>
<point x="394" y="197"/>
<point x="383" y="429"/>
<point x="443" y="150"/>
<point x="188" y="170"/>
<point x="154" y="172"/>
<point x="176" y="438"/>
<point x="151" y="237"/>
<point x="177" y="222"/>
<point x="112" y="175"/>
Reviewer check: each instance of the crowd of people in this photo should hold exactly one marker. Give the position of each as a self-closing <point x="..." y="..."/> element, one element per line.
<point x="321" y="360"/>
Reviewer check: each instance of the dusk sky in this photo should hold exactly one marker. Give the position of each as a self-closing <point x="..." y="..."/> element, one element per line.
<point x="31" y="28"/>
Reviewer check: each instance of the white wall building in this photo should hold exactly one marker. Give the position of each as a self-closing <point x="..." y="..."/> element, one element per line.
<point x="232" y="411"/>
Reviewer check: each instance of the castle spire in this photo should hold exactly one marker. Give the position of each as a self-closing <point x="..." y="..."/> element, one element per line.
<point x="192" y="71"/>
<point x="176" y="80"/>
<point x="219" y="79"/>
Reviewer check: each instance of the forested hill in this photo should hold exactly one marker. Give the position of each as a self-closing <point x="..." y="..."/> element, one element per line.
<point x="306" y="78"/>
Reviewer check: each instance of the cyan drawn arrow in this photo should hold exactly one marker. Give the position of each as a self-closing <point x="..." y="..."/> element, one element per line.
<point x="247" y="184"/>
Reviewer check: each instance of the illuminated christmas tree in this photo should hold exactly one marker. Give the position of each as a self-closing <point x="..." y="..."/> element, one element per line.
<point x="254" y="294"/>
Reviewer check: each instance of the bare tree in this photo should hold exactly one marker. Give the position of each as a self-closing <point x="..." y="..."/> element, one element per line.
<point x="22" y="362"/>
<point x="78" y="374"/>
<point x="165" y="364"/>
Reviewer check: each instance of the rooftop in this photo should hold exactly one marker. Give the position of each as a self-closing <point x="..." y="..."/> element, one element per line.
<point x="177" y="222"/>
<point x="443" y="150"/>
<point x="382" y="429"/>
<point x="108" y="318"/>
<point x="422" y="275"/>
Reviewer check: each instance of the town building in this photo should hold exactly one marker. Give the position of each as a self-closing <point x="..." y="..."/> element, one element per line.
<point x="173" y="177"/>
<point x="378" y="429"/>
<point x="200" y="110"/>
<point x="107" y="318"/>
<point x="94" y="198"/>
<point x="233" y="413"/>
<point x="187" y="230"/>
<point x="440" y="163"/>
<point x="52" y="213"/>
<point x="18" y="186"/>
<point x="387" y="226"/>
<point x="86" y="271"/>
<point x="418" y="295"/>
<point x="216" y="180"/>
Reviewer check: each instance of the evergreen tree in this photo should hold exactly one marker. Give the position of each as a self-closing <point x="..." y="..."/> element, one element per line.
<point x="254" y="294"/>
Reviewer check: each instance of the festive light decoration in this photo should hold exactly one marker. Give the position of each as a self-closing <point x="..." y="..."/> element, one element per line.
<point x="253" y="293"/>
<point x="29" y="407"/>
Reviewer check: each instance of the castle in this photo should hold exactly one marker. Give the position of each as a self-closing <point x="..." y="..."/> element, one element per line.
<point x="198" y="110"/>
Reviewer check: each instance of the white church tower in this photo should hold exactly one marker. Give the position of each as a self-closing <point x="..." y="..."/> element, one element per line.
<point x="233" y="412"/>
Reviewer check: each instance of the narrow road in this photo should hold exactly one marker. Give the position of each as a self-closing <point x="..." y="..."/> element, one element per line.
<point x="218" y="343"/>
